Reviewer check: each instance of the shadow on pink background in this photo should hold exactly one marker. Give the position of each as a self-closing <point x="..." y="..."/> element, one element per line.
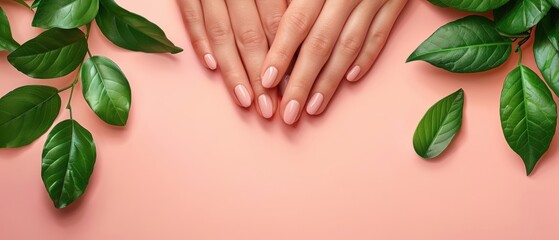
<point x="192" y="165"/>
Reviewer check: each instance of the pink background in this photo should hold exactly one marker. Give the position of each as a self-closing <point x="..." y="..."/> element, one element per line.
<point x="192" y="165"/>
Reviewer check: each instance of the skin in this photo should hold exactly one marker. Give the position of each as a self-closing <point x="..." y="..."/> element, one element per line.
<point x="258" y="42"/>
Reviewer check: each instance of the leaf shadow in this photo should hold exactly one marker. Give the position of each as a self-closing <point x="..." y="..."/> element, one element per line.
<point x="12" y="153"/>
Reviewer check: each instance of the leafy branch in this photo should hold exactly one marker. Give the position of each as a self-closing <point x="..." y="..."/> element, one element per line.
<point x="28" y="112"/>
<point x="475" y="44"/>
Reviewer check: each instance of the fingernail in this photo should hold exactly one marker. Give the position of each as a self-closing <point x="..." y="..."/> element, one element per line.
<point x="265" y="103"/>
<point x="315" y="103"/>
<point x="210" y="61"/>
<point x="352" y="75"/>
<point x="291" y="112"/>
<point x="242" y="95"/>
<point x="269" y="77"/>
<point x="283" y="84"/>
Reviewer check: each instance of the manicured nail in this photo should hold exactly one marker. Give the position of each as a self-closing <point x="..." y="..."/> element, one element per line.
<point x="315" y="103"/>
<point x="210" y="61"/>
<point x="242" y="95"/>
<point x="352" y="75"/>
<point x="291" y="112"/>
<point x="269" y="77"/>
<point x="265" y="103"/>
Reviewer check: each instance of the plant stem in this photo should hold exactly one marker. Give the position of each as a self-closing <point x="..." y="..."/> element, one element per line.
<point x="519" y="50"/>
<point x="69" y="105"/>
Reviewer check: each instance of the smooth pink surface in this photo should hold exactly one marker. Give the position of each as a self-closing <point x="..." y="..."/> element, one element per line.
<point x="193" y="165"/>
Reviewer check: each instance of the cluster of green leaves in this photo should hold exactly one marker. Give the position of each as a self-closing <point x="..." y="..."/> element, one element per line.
<point x="28" y="112"/>
<point x="475" y="44"/>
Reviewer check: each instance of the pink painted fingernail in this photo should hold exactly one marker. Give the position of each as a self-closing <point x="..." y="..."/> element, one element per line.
<point x="291" y="112"/>
<point x="269" y="77"/>
<point x="352" y="75"/>
<point x="210" y="61"/>
<point x="243" y="96"/>
<point x="314" y="104"/>
<point x="265" y="103"/>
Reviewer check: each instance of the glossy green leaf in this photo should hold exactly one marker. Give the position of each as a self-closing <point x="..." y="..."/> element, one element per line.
<point x="54" y="53"/>
<point x="474" y="5"/>
<point x="470" y="44"/>
<point x="35" y="4"/>
<point x="520" y="15"/>
<point x="68" y="160"/>
<point x="22" y="2"/>
<point x="528" y="115"/>
<point x="106" y="90"/>
<point x="65" y="13"/>
<point x="439" y="126"/>
<point x="26" y="113"/>
<point x="438" y="3"/>
<point x="131" y="31"/>
<point x="7" y="42"/>
<point x="546" y="49"/>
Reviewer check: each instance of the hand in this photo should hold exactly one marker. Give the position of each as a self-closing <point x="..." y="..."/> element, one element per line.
<point x="336" y="39"/>
<point x="236" y="32"/>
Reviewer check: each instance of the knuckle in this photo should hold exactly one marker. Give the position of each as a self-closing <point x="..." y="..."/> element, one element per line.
<point x="281" y="57"/>
<point x="191" y="16"/>
<point x="199" y="44"/>
<point x="219" y="33"/>
<point x="350" y="46"/>
<point x="318" y="44"/>
<point x="299" y="89"/>
<point x="299" y="21"/>
<point x="250" y="38"/>
<point x="379" y="37"/>
<point x="272" y="23"/>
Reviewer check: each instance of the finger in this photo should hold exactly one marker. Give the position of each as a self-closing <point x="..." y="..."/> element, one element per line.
<point x="193" y="17"/>
<point x="253" y="46"/>
<point x="293" y="29"/>
<point x="271" y="12"/>
<point x="376" y="38"/>
<point x="221" y="38"/>
<point x="345" y="52"/>
<point x="314" y="53"/>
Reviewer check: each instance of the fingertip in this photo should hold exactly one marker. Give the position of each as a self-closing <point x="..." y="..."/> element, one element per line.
<point x="269" y="77"/>
<point x="243" y="96"/>
<point x="266" y="106"/>
<point x="315" y="104"/>
<point x="353" y="74"/>
<point x="210" y="61"/>
<point x="291" y="112"/>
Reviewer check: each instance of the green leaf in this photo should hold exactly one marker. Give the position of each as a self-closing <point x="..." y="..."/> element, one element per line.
<point x="554" y="3"/>
<point x="528" y="115"/>
<point x="7" y="42"/>
<point x="54" y="53"/>
<point x="439" y="126"/>
<point x="474" y="5"/>
<point x="22" y="3"/>
<point x="470" y="44"/>
<point x="131" y="31"/>
<point x="546" y="49"/>
<point x="35" y="4"/>
<point x="520" y="15"/>
<point x="65" y="13"/>
<point x="26" y="113"/>
<point x="68" y="160"/>
<point x="106" y="90"/>
<point x="438" y="3"/>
